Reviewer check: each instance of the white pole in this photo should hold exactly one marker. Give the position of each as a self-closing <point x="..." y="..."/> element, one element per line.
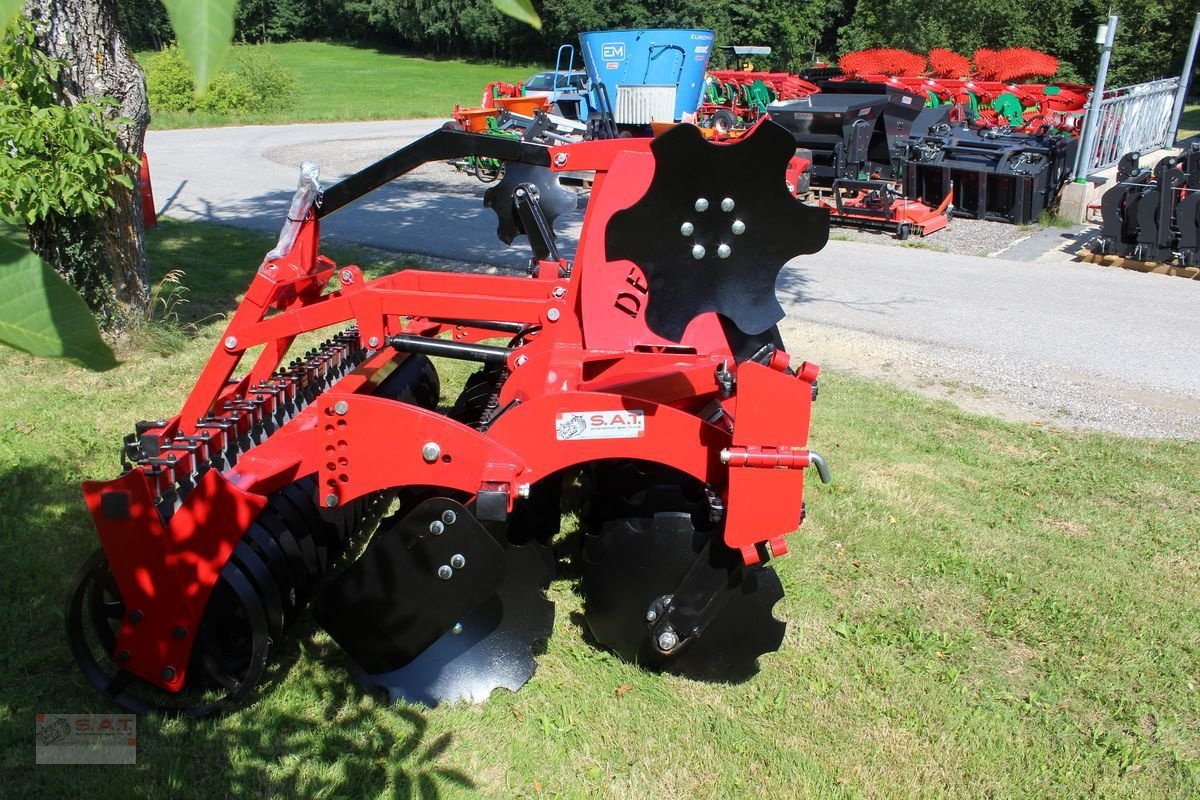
<point x="1087" y="139"/>
<point x="1185" y="78"/>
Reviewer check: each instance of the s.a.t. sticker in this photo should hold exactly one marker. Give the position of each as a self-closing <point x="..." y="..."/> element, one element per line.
<point x="621" y="424"/>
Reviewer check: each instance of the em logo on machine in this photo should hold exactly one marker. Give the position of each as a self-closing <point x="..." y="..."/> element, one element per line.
<point x="612" y="51"/>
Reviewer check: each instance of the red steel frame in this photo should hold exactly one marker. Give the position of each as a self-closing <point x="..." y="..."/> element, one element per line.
<point x="592" y="354"/>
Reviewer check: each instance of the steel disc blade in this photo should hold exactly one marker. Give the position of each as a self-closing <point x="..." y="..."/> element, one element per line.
<point x="633" y="562"/>
<point x="494" y="649"/>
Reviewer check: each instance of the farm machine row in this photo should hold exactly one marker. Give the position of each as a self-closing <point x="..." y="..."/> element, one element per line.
<point x="641" y="384"/>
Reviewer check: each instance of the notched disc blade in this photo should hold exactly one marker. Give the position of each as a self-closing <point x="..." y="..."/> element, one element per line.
<point x="686" y="272"/>
<point x="495" y="646"/>
<point x="554" y="198"/>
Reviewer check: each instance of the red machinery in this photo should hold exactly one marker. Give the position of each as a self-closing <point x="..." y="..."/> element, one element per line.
<point x="646" y="374"/>
<point x="736" y="98"/>
<point x="878" y="204"/>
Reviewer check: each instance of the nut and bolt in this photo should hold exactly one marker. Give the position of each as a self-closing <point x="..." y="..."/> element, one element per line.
<point x="449" y="517"/>
<point x="331" y="500"/>
<point x="560" y="159"/>
<point x="430" y="452"/>
<point x="701" y="204"/>
<point x="727" y="204"/>
<point x="458" y="561"/>
<point x="522" y="360"/>
<point x="230" y="342"/>
<point x="667" y="641"/>
<point x="738" y="227"/>
<point x="553" y="314"/>
<point x="340" y="407"/>
<point x="373" y="342"/>
<point x="168" y="673"/>
<point x="651" y="615"/>
<point x="458" y="628"/>
<point x="724" y="251"/>
<point x="698" y="251"/>
<point x="444" y="572"/>
<point x="687" y="229"/>
<point x="347" y="276"/>
<point x="559" y="291"/>
<point x="437" y="528"/>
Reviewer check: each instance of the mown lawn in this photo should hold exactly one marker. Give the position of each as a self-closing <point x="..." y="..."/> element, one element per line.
<point x="1189" y="122"/>
<point x="341" y="82"/>
<point x="975" y="609"/>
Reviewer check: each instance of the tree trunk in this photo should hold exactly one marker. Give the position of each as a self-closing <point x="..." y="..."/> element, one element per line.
<point x="84" y="34"/>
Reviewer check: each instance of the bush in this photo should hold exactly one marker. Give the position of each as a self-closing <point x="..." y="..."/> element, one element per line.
<point x="169" y="82"/>
<point x="259" y="83"/>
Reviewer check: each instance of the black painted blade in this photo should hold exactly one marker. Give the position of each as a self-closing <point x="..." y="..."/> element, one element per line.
<point x="554" y="198"/>
<point x="495" y="646"/>
<point x="740" y="287"/>
<point x="392" y="604"/>
<point x="633" y="562"/>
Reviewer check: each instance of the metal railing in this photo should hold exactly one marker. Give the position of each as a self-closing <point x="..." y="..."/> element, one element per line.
<point x="1132" y="118"/>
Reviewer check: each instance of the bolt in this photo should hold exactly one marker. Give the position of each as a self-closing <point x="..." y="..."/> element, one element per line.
<point x="430" y="452"/>
<point x="457" y="628"/>
<point x="230" y="342"/>
<point x="373" y="342"/>
<point x="340" y="407"/>
<point x="437" y="528"/>
<point x="347" y="276"/>
<point x="520" y="193"/>
<point x="522" y="360"/>
<point x="738" y="227"/>
<point x="457" y="561"/>
<point x="179" y="634"/>
<point x="168" y="673"/>
<point x="449" y="517"/>
<point x="727" y="204"/>
<point x="560" y="159"/>
<point x="687" y="229"/>
<point x="444" y="572"/>
<point x="701" y="204"/>
<point x="523" y="491"/>
<point x="698" y="251"/>
<point x="651" y="615"/>
<point x="667" y="641"/>
<point x="331" y="500"/>
<point x="553" y="315"/>
<point x="559" y="291"/>
<point x="724" y="251"/>
<point x="135" y="617"/>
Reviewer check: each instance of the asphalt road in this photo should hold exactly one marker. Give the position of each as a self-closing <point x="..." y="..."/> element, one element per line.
<point x="1071" y="344"/>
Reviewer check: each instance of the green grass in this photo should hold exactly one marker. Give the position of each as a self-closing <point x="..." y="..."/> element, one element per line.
<point x="1189" y="122"/>
<point x="339" y="82"/>
<point x="975" y="609"/>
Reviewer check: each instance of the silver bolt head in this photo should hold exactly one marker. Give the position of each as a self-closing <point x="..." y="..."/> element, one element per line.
<point x="458" y="561"/>
<point x="667" y="640"/>
<point x="727" y="204"/>
<point x="651" y="615"/>
<point x="553" y="315"/>
<point x="701" y="204"/>
<point x="560" y="159"/>
<point x="331" y="500"/>
<point x="444" y="572"/>
<point x="373" y="341"/>
<point x="430" y="452"/>
<point x="436" y="528"/>
<point x="559" y="291"/>
<point x="340" y="407"/>
<point x="687" y="229"/>
<point x="347" y="276"/>
<point x="724" y="251"/>
<point x="522" y="360"/>
<point x="738" y="227"/>
<point x="458" y="628"/>
<point x="698" y="251"/>
<point x="449" y="517"/>
<point x="231" y="342"/>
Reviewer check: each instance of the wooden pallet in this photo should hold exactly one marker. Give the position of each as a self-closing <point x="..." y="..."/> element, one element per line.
<point x="1124" y="262"/>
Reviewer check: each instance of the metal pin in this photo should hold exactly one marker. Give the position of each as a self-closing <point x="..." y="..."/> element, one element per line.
<point x="340" y="407"/>
<point x="701" y="204"/>
<point x="698" y="251"/>
<point x="430" y="452"/>
<point x="331" y="500"/>
<point x="373" y="341"/>
<point x="687" y="229"/>
<point x="230" y="342"/>
<point x="553" y="315"/>
<point x="738" y="227"/>
<point x="724" y="251"/>
<point x="727" y="204"/>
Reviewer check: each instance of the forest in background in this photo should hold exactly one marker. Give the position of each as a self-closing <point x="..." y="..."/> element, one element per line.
<point x="1151" y="41"/>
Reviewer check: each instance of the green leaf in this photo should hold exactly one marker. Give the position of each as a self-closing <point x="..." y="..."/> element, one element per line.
<point x="204" y="29"/>
<point x="41" y="314"/>
<point x="7" y="9"/>
<point x="521" y="10"/>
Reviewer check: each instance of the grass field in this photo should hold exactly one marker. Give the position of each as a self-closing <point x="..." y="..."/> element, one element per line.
<point x="1189" y="121"/>
<point x="975" y="609"/>
<point x="339" y="82"/>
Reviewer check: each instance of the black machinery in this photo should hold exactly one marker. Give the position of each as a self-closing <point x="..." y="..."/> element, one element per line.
<point x="1151" y="215"/>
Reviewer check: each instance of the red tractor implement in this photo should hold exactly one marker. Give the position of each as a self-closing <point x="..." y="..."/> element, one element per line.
<point x="877" y="204"/>
<point x="645" y="374"/>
